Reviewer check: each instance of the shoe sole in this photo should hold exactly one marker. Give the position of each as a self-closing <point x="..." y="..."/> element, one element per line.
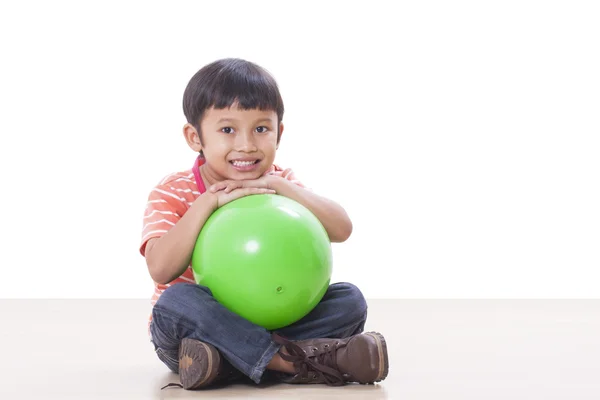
<point x="383" y="356"/>
<point x="199" y="363"/>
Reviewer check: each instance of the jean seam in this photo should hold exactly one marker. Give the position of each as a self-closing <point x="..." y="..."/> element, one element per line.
<point x="164" y="353"/>
<point x="260" y="366"/>
<point x="176" y="319"/>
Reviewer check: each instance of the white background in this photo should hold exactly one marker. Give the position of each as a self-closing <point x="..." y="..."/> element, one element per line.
<point x="462" y="137"/>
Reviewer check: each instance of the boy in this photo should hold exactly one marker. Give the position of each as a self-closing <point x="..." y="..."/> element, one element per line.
<point x="234" y="112"/>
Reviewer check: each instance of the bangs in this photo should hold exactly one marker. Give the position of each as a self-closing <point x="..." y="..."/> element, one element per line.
<point x="227" y="82"/>
<point x="249" y="92"/>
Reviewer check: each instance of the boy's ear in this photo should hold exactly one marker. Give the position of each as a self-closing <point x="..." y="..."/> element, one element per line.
<point x="192" y="137"/>
<point x="279" y="134"/>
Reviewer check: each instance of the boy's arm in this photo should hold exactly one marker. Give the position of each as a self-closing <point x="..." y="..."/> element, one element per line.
<point x="168" y="256"/>
<point x="333" y="216"/>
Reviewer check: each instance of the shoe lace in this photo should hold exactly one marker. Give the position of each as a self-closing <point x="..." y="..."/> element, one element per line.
<point x="172" y="385"/>
<point x="323" y="364"/>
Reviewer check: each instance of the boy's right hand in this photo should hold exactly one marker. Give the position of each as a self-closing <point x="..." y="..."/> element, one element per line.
<point x="222" y="197"/>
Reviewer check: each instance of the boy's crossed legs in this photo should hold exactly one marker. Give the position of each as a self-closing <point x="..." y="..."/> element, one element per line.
<point x="189" y="325"/>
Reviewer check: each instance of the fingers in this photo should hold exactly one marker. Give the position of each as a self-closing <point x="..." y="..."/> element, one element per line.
<point x="227" y="186"/>
<point x="233" y="186"/>
<point x="241" y="192"/>
<point x="216" y="187"/>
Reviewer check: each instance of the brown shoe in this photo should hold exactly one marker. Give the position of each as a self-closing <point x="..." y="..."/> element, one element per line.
<point x="201" y="365"/>
<point x="360" y="358"/>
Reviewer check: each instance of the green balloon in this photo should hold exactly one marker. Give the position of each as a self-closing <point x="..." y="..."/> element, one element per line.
<point x="266" y="258"/>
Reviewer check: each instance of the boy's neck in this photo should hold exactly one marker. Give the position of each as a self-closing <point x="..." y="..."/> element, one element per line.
<point x="206" y="177"/>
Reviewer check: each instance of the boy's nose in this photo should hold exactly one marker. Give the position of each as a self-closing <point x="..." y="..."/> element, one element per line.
<point x="245" y="143"/>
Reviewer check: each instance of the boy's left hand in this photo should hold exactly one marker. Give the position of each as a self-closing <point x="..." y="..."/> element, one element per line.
<point x="229" y="185"/>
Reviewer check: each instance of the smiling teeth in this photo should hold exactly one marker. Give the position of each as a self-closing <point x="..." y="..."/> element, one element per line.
<point x="243" y="163"/>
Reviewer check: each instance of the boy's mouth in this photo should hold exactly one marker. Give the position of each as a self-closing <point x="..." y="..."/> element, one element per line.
<point x="245" y="165"/>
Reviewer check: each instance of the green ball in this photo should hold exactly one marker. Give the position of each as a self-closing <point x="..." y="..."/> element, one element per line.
<point x="266" y="258"/>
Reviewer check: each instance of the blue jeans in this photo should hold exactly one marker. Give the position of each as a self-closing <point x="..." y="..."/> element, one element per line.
<point x="187" y="310"/>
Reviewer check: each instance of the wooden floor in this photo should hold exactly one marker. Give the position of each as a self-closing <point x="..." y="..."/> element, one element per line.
<point x="439" y="349"/>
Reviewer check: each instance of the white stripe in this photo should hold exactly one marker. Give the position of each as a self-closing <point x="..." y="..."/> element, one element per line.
<point x="157" y="201"/>
<point x="185" y="191"/>
<point x="157" y="222"/>
<point x="187" y="279"/>
<point x="168" y="194"/>
<point x="151" y="232"/>
<point x="161" y="212"/>
<point x="191" y="175"/>
<point x="184" y="180"/>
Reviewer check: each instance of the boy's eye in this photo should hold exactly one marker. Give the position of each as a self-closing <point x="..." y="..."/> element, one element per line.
<point x="262" y="129"/>
<point x="227" y="130"/>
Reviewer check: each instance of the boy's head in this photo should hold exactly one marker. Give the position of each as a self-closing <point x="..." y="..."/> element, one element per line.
<point x="234" y="111"/>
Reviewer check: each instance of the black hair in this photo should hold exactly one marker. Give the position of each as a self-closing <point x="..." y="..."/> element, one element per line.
<point x="223" y="82"/>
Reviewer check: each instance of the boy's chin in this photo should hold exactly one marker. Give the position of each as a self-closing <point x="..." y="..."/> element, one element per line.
<point x="256" y="173"/>
<point x="245" y="176"/>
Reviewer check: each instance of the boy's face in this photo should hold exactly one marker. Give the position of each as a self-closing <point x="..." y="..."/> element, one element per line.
<point x="237" y="144"/>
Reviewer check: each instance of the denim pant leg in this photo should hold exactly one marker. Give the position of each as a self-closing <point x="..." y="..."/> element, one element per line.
<point x="341" y="313"/>
<point x="187" y="310"/>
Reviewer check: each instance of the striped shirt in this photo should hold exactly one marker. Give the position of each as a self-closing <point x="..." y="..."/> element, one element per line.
<point x="168" y="202"/>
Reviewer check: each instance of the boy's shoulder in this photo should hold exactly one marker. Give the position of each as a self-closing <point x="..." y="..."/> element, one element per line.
<point x="177" y="187"/>
<point x="182" y="178"/>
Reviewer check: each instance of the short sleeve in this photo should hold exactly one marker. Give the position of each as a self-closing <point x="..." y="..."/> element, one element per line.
<point x="163" y="210"/>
